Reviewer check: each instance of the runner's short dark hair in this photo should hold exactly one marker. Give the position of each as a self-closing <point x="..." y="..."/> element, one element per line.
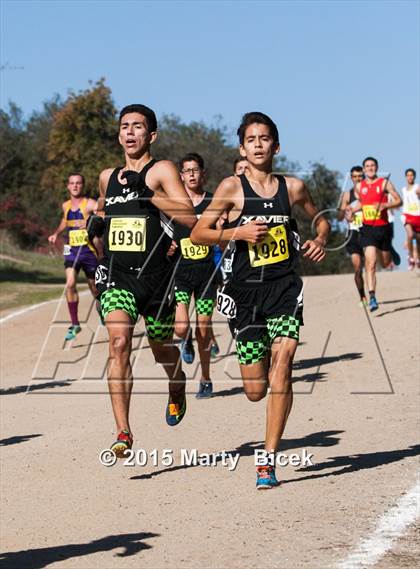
<point x="370" y="158"/>
<point x="76" y="174"/>
<point x="259" y="118"/>
<point x="356" y="169"/>
<point x="190" y="157"/>
<point x="240" y="159"/>
<point x="142" y="110"/>
<point x="410" y="170"/>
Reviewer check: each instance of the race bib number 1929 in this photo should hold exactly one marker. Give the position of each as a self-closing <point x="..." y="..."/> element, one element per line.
<point x="193" y="252"/>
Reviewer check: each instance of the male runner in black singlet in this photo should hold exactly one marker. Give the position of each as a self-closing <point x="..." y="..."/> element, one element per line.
<point x="265" y="293"/>
<point x="354" y="246"/>
<point x="195" y="276"/>
<point x="135" y="276"/>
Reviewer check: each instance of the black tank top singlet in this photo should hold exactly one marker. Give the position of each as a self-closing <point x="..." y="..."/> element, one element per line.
<point x="193" y="255"/>
<point x="135" y="237"/>
<point x="277" y="255"/>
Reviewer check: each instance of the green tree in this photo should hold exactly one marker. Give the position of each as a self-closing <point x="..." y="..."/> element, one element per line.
<point x="324" y="187"/>
<point x="23" y="211"/>
<point x="83" y="138"/>
<point x="175" y="139"/>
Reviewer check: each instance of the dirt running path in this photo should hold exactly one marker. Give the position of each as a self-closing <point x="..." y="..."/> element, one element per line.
<point x="63" y="509"/>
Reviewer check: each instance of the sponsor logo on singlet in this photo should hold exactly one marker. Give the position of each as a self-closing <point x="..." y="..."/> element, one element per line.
<point x="265" y="218"/>
<point x="121" y="199"/>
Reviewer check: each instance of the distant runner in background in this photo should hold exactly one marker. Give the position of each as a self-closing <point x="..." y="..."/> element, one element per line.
<point x="79" y="252"/>
<point x="353" y="246"/>
<point x="376" y="231"/>
<point x="411" y="213"/>
<point x="239" y="166"/>
<point x="196" y="276"/>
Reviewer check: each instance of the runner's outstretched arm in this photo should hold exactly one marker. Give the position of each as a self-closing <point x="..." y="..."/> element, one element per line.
<point x="170" y="195"/>
<point x="396" y="198"/>
<point x="53" y="238"/>
<point x="205" y="231"/>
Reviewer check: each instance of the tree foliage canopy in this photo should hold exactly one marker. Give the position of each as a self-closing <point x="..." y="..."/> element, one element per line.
<point x="80" y="134"/>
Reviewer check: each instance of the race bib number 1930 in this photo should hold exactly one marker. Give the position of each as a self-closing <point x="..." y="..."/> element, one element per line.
<point x="127" y="234"/>
<point x="273" y="249"/>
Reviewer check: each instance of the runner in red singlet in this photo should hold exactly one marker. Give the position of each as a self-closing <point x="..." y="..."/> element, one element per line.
<point x="373" y="194"/>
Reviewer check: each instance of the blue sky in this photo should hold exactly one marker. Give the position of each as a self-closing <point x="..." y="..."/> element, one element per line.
<point x="340" y="78"/>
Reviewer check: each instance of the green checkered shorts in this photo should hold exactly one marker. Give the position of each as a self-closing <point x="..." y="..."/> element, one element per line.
<point x="158" y="330"/>
<point x="162" y="329"/>
<point x="254" y="351"/>
<point x="119" y="299"/>
<point x="203" y="306"/>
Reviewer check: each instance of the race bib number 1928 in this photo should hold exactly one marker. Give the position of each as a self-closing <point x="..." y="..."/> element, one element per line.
<point x="127" y="234"/>
<point x="225" y="305"/>
<point x="273" y="249"/>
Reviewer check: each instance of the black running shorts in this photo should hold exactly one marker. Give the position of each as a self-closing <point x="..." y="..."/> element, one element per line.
<point x="379" y="236"/>
<point x="353" y="245"/>
<point x="264" y="313"/>
<point x="200" y="281"/>
<point x="148" y="295"/>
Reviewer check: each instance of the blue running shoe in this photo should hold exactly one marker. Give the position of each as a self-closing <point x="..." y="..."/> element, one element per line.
<point x="205" y="390"/>
<point x="266" y="478"/>
<point x="187" y="351"/>
<point x="373" y="305"/>
<point x="72" y="332"/>
<point x="214" y="350"/>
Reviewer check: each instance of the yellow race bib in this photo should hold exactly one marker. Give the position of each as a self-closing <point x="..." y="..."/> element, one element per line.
<point x="127" y="234"/>
<point x="273" y="249"/>
<point x="357" y="219"/>
<point x="371" y="212"/>
<point x="413" y="208"/>
<point x="193" y="252"/>
<point x="78" y="237"/>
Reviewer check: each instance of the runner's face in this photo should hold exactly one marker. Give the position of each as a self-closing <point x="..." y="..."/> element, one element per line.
<point x="241" y="167"/>
<point x="356" y="177"/>
<point x="75" y="186"/>
<point x="192" y="175"/>
<point x="258" y="147"/>
<point x="134" y="136"/>
<point x="370" y="169"/>
<point x="410" y="178"/>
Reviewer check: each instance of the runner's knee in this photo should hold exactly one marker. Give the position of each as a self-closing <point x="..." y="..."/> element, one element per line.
<point x="119" y="346"/>
<point x="202" y="330"/>
<point x="181" y="328"/>
<point x="254" y="395"/>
